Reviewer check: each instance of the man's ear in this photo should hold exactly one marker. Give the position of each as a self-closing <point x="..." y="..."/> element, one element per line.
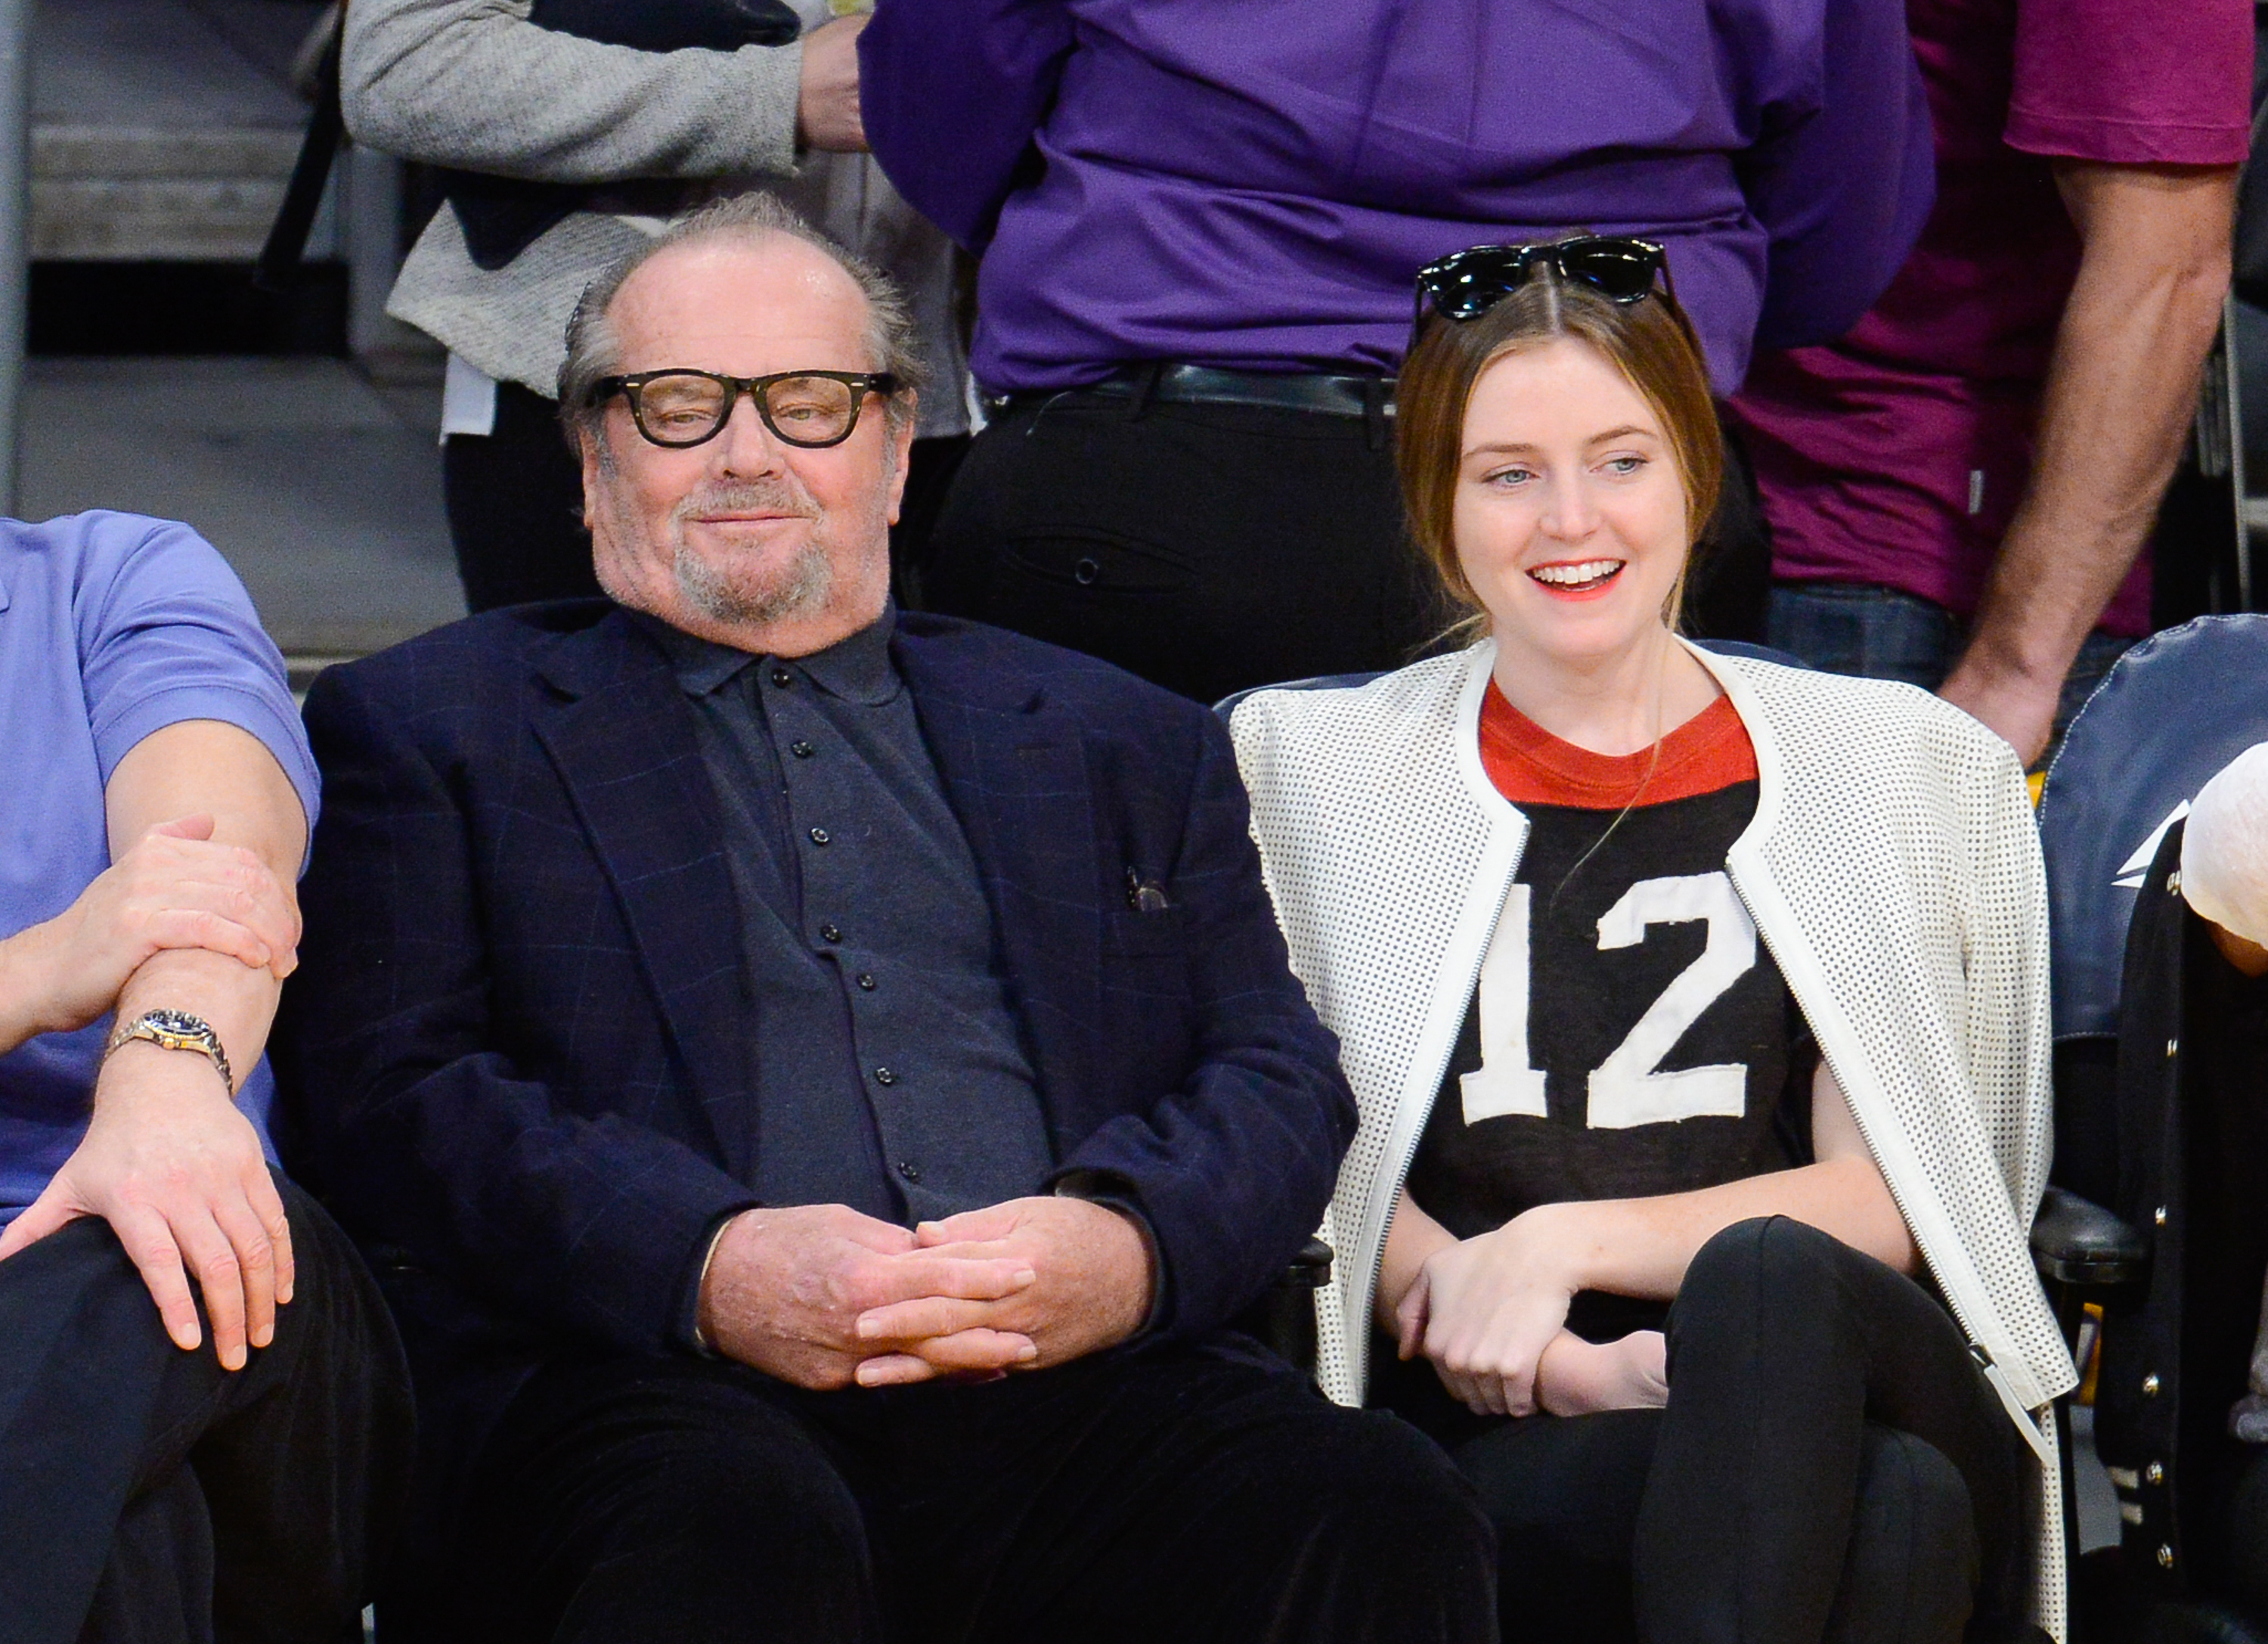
<point x="591" y="459"/>
<point x="901" y="447"/>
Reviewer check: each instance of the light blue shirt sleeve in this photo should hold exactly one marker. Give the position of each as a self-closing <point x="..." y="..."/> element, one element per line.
<point x="166" y="633"/>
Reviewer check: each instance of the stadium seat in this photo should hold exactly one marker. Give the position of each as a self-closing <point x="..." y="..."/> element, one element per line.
<point x="2173" y="712"/>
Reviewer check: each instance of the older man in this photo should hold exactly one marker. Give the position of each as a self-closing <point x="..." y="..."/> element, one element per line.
<point x="821" y="1082"/>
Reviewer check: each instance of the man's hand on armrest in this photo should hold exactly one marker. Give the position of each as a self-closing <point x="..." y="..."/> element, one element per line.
<point x="175" y="887"/>
<point x="1094" y="1277"/>
<point x="787" y="1289"/>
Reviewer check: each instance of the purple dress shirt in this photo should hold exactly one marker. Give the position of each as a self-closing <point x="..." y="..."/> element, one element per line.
<point x="112" y="626"/>
<point x="1254" y="185"/>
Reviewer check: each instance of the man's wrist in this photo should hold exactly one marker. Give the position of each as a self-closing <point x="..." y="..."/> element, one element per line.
<point x="179" y="1031"/>
<point x="29" y="1005"/>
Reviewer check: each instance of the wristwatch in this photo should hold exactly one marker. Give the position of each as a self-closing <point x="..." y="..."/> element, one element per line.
<point x="177" y="1030"/>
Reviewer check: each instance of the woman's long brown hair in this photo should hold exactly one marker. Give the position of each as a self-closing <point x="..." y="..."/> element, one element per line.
<point x="1649" y="342"/>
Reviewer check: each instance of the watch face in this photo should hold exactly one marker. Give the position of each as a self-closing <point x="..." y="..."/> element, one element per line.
<point x="174" y="1021"/>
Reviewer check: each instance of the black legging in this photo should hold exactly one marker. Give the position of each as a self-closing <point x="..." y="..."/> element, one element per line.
<point x="1832" y="1466"/>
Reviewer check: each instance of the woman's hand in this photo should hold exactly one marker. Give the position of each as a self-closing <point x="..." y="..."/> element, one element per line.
<point x="1577" y="1378"/>
<point x="1485" y="1309"/>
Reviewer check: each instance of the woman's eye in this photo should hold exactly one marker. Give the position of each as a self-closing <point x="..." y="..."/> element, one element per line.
<point x="1510" y="476"/>
<point x="1624" y="465"/>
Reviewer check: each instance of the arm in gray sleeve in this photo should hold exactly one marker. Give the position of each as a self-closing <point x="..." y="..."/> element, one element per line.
<point x="474" y="84"/>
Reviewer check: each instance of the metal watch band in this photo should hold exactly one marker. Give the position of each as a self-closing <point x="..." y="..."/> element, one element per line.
<point x="177" y="1030"/>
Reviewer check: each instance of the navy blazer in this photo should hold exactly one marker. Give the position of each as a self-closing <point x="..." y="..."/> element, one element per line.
<point x="513" y="1057"/>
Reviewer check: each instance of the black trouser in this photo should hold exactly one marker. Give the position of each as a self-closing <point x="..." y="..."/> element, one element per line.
<point x="1207" y="548"/>
<point x="1179" y="1494"/>
<point x="1831" y="1465"/>
<point x="147" y="1494"/>
<point x="515" y="504"/>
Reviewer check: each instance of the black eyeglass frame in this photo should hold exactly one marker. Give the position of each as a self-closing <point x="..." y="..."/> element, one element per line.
<point x="1513" y="267"/>
<point x="759" y="390"/>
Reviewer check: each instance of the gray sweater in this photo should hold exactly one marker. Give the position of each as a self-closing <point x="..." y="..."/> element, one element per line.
<point x="474" y="84"/>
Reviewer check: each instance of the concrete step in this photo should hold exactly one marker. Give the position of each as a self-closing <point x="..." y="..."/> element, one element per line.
<point x="322" y="489"/>
<point x="163" y="129"/>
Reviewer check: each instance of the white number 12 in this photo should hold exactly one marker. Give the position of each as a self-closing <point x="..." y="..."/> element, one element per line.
<point x="1627" y="1089"/>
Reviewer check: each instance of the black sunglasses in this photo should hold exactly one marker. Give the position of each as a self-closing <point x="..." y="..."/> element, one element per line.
<point x="1466" y="284"/>
<point x="680" y="407"/>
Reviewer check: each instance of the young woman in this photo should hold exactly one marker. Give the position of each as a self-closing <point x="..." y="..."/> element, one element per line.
<point x="1696" y="1008"/>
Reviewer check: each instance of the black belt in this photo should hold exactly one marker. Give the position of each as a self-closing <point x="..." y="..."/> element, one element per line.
<point x="1161" y="382"/>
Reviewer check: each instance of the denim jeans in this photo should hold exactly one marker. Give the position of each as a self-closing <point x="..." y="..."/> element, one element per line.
<point x="1881" y="633"/>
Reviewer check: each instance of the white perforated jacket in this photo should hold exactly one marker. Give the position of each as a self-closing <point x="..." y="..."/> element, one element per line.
<point x="1892" y="868"/>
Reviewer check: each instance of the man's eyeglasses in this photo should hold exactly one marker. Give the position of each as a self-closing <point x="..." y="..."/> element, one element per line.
<point x="1466" y="284"/>
<point x="811" y="409"/>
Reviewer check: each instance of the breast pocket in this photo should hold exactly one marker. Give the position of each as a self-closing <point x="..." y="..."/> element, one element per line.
<point x="1159" y="933"/>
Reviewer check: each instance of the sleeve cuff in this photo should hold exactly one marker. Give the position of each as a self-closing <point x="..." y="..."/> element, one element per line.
<point x="690" y="1335"/>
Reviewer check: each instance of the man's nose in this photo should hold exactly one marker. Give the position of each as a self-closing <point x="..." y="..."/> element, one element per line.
<point x="746" y="446"/>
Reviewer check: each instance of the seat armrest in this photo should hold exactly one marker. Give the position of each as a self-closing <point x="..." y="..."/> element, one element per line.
<point x="1311" y="1268"/>
<point x="2076" y="1241"/>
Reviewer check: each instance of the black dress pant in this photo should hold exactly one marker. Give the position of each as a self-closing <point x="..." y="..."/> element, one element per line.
<point x="147" y="1495"/>
<point x="1175" y="1495"/>
<point x="1207" y="547"/>
<point x="515" y="502"/>
<point x="1831" y="1465"/>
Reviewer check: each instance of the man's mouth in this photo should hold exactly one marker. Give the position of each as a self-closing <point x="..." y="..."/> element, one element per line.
<point x="1578" y="577"/>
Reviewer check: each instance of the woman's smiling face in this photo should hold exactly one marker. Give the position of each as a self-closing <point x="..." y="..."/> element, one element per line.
<point x="1571" y="519"/>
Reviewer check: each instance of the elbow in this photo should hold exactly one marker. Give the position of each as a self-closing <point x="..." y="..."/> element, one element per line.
<point x="371" y="117"/>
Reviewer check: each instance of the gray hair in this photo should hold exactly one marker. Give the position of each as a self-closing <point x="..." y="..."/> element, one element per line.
<point x="593" y="352"/>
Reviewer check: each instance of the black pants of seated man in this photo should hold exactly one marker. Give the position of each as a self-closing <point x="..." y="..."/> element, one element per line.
<point x="148" y="1496"/>
<point x="1210" y="548"/>
<point x="1178" y="1495"/>
<point x="1832" y="1466"/>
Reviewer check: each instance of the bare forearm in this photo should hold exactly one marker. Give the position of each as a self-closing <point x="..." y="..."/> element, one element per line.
<point x="1641" y="1247"/>
<point x="24" y="1013"/>
<point x="237" y="1001"/>
<point x="2120" y="393"/>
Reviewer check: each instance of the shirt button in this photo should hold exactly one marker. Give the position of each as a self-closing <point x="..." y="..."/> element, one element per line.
<point x="830" y="933"/>
<point x="2156" y="1473"/>
<point x="866" y="982"/>
<point x="2158" y="1217"/>
<point x="801" y="749"/>
<point x="2173" y="1046"/>
<point x="910" y="1170"/>
<point x="820" y="836"/>
<point x="2150" y="1385"/>
<point x="782" y="678"/>
<point x="884" y="1076"/>
<point x="2165" y="1557"/>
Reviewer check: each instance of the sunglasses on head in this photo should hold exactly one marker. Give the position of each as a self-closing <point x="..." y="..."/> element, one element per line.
<point x="1466" y="284"/>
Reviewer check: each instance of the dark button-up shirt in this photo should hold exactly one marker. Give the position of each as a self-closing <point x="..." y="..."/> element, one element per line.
<point x="1253" y="186"/>
<point x="888" y="1069"/>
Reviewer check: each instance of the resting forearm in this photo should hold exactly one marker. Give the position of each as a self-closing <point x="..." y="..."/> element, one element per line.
<point x="237" y="1001"/>
<point x="1641" y="1247"/>
<point x="23" y="1012"/>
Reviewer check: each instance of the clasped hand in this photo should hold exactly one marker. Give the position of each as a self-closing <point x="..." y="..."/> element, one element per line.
<point x="174" y="888"/>
<point x="1491" y="1313"/>
<point x="824" y="1298"/>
